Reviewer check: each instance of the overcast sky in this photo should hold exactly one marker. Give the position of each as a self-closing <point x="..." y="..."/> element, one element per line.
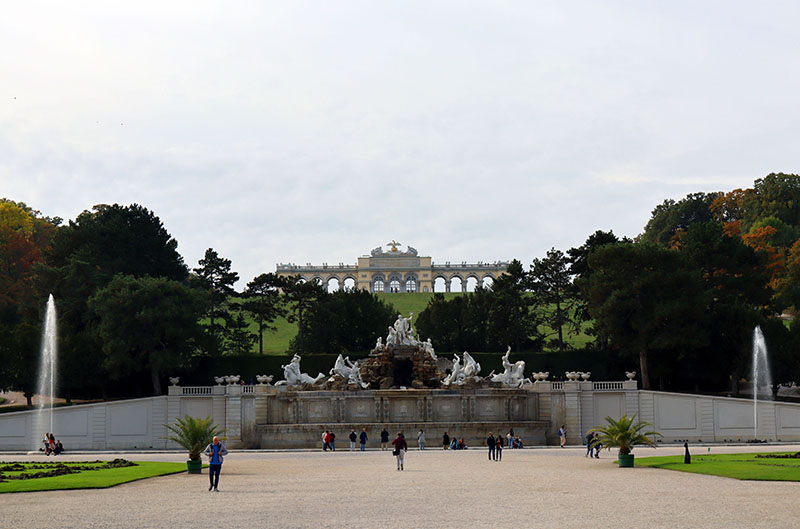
<point x="315" y="131"/>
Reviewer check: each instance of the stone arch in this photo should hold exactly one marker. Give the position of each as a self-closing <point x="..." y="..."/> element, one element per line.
<point x="328" y="286"/>
<point x="410" y="282"/>
<point x="488" y="279"/>
<point x="378" y="283"/>
<point x="461" y="283"/>
<point x="443" y="283"/>
<point x="352" y="282"/>
<point x="394" y="282"/>
<point x="471" y="282"/>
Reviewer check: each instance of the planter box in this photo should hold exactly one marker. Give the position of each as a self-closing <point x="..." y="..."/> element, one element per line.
<point x="626" y="460"/>
<point x="194" y="466"/>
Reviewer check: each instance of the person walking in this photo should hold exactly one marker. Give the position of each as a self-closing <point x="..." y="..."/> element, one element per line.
<point x="491" y="442"/>
<point x="400" y="449"/>
<point x="589" y="444"/>
<point x="215" y="452"/>
<point x="421" y="439"/>
<point x="445" y="441"/>
<point x="325" y="440"/>
<point x="562" y="436"/>
<point x="331" y="441"/>
<point x="510" y="436"/>
<point x="498" y="453"/>
<point x="363" y="439"/>
<point x="597" y="445"/>
<point x="384" y="438"/>
<point x="353" y="438"/>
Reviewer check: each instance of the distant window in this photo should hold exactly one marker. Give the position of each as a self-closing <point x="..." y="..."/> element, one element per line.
<point x="411" y="286"/>
<point x="394" y="286"/>
<point x="378" y="285"/>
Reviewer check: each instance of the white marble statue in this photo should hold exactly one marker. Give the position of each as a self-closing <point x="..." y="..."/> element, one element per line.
<point x="348" y="370"/>
<point x="293" y="376"/>
<point x="463" y="368"/>
<point x="355" y="376"/>
<point x="391" y="338"/>
<point x="513" y="374"/>
<point x="456" y="375"/>
<point x="379" y="344"/>
<point x="471" y="367"/>
<point x="427" y="346"/>
<point x="402" y="333"/>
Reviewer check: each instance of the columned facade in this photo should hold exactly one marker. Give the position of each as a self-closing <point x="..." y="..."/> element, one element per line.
<point x="397" y="271"/>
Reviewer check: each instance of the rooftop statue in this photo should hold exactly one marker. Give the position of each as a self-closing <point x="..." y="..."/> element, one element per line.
<point x="294" y="377"/>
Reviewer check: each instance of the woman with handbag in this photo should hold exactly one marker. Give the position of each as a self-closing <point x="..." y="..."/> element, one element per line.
<point x="400" y="449"/>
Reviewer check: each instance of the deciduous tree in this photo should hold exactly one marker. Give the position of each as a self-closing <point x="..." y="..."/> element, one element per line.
<point x="146" y="323"/>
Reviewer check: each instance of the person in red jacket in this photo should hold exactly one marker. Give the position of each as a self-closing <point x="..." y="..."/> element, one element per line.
<point x="400" y="449"/>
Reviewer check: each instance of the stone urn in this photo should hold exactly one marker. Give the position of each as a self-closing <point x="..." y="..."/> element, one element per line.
<point x="585" y="376"/>
<point x="219" y="380"/>
<point x="572" y="375"/>
<point x="174" y="380"/>
<point x="544" y="375"/>
<point x="264" y="379"/>
<point x="537" y="377"/>
<point x="630" y="374"/>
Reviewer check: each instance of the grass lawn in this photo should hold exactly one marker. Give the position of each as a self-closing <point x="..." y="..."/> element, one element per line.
<point x="737" y="466"/>
<point x="87" y="479"/>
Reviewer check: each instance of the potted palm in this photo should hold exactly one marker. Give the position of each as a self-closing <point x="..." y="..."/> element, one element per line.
<point x="193" y="434"/>
<point x="624" y="434"/>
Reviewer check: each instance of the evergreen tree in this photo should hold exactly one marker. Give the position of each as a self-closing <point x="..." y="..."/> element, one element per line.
<point x="262" y="300"/>
<point x="215" y="277"/>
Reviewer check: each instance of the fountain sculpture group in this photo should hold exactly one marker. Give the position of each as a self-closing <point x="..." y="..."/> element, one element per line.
<point x="404" y="360"/>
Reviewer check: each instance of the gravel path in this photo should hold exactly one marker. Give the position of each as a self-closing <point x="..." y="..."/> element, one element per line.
<point x="530" y="488"/>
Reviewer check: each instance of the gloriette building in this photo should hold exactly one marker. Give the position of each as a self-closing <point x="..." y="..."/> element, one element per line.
<point x="393" y="270"/>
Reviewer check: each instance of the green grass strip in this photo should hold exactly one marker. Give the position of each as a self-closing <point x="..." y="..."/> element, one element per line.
<point x="736" y="466"/>
<point x="95" y="479"/>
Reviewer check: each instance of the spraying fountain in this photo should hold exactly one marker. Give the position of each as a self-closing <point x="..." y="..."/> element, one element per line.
<point x="761" y="375"/>
<point x="46" y="388"/>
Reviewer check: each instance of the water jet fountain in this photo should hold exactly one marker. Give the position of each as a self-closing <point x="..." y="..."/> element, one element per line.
<point x="760" y="373"/>
<point x="46" y="388"/>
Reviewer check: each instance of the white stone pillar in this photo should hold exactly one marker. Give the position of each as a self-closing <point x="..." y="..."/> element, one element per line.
<point x="572" y="412"/>
<point x="233" y="415"/>
<point x="218" y="405"/>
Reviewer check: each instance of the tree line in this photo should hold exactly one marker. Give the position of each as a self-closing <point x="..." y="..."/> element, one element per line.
<point x="679" y="302"/>
<point x="130" y="311"/>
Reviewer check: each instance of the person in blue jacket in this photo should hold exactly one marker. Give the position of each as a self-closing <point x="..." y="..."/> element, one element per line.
<point x="215" y="452"/>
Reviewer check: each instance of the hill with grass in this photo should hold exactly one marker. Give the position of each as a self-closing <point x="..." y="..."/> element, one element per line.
<point x="277" y="343"/>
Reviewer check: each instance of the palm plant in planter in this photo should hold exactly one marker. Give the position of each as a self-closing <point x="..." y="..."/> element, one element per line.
<point x="624" y="434"/>
<point x="193" y="434"/>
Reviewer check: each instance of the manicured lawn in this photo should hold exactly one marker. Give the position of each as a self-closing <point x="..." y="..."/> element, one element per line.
<point x="87" y="479"/>
<point x="737" y="466"/>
